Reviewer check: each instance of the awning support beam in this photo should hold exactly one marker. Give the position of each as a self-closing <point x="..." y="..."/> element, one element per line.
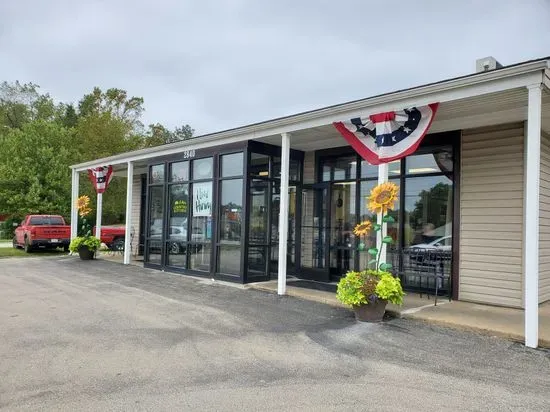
<point x="283" y="213"/>
<point x="128" y="233"/>
<point x="75" y="181"/>
<point x="531" y="216"/>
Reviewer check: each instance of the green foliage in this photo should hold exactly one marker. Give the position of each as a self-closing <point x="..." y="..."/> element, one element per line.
<point x="91" y="242"/>
<point x="40" y="139"/>
<point x="350" y="289"/>
<point x="34" y="172"/>
<point x="360" y="288"/>
<point x="8" y="228"/>
<point x="389" y="288"/>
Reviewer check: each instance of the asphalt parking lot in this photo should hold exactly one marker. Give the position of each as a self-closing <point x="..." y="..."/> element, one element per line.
<point x="97" y="335"/>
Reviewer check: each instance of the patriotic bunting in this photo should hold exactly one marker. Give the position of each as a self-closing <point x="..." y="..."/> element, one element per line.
<point x="101" y="177"/>
<point x="385" y="137"/>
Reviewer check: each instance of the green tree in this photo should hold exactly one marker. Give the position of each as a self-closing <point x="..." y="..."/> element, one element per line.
<point x="22" y="103"/>
<point x="157" y="134"/>
<point x="34" y="173"/>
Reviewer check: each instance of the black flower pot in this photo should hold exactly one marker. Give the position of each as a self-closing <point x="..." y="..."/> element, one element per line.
<point x="85" y="253"/>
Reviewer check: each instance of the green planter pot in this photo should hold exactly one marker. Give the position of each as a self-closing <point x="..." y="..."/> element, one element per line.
<point x="372" y="312"/>
<point x="85" y="253"/>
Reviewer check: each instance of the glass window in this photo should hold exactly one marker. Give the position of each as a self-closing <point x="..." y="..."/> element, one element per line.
<point x="231" y="209"/>
<point x="232" y="165"/>
<point x="257" y="259"/>
<point x="259" y="198"/>
<point x="178" y="212"/>
<point x="179" y="171"/>
<point x="202" y="168"/>
<point x="156" y="212"/>
<point x="229" y="259"/>
<point x="428" y="212"/>
<point x="154" y="251"/>
<point x="438" y="162"/>
<point x="157" y="174"/>
<point x="345" y="168"/>
<point x="326" y="173"/>
<point x="259" y="165"/>
<point x="199" y="256"/>
<point x="368" y="170"/>
<point x="177" y="253"/>
<point x="293" y="170"/>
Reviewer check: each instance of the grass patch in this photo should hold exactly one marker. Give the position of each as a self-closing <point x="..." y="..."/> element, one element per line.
<point x="6" y="252"/>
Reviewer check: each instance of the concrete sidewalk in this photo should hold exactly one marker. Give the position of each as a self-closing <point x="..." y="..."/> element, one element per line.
<point x="491" y="320"/>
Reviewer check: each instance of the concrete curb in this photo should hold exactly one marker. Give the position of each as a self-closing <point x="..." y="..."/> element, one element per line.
<point x="543" y="343"/>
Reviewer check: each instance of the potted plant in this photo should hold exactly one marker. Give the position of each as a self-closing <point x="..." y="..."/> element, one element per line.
<point x="369" y="291"/>
<point x="85" y="244"/>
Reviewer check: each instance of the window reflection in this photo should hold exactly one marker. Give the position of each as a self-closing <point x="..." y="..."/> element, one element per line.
<point x="179" y="171"/>
<point x="437" y="162"/>
<point x="231" y="210"/>
<point x="232" y="164"/>
<point x="157" y="174"/>
<point x="428" y="212"/>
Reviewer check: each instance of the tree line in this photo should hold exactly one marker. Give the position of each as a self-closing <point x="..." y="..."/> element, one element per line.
<point x="40" y="138"/>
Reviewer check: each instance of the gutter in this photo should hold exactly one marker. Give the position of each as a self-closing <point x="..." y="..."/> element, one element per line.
<point x="445" y="85"/>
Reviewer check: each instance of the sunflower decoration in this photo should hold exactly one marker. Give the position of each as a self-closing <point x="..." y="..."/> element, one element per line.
<point x="383" y="197"/>
<point x="362" y="228"/>
<point x="82" y="204"/>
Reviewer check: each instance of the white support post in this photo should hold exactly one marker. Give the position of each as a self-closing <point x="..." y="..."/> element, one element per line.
<point x="99" y="210"/>
<point x="75" y="181"/>
<point x="127" y="236"/>
<point x="531" y="217"/>
<point x="383" y="170"/>
<point x="283" y="213"/>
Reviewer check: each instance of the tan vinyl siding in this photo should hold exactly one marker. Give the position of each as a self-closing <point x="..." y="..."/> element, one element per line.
<point x="544" y="220"/>
<point x="491" y="215"/>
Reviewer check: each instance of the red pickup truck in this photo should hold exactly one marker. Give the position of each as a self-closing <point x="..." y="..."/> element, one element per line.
<point x="113" y="236"/>
<point x="47" y="231"/>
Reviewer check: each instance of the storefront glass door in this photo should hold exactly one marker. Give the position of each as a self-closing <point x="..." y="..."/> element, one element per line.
<point x="342" y="221"/>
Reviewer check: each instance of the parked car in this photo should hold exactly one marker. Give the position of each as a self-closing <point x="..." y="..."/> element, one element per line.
<point x="442" y="243"/>
<point x="42" y="231"/>
<point x="177" y="237"/>
<point x="113" y="236"/>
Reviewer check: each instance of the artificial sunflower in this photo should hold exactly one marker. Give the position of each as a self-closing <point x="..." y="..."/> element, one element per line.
<point x="82" y="202"/>
<point x="383" y="197"/>
<point x="362" y="228"/>
<point x="84" y="211"/>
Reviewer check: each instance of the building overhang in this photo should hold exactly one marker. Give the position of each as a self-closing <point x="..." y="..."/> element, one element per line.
<point x="481" y="99"/>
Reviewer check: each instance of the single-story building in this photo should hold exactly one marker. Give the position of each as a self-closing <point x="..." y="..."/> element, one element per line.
<point x="282" y="196"/>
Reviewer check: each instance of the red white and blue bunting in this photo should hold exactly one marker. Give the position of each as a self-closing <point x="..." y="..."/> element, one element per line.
<point x="101" y="177"/>
<point x="385" y="137"/>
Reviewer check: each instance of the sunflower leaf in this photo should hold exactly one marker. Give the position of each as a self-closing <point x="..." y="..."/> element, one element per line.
<point x="373" y="251"/>
<point x="388" y="219"/>
<point x="372" y="262"/>
<point x="376" y="227"/>
<point x="385" y="266"/>
<point x="387" y="240"/>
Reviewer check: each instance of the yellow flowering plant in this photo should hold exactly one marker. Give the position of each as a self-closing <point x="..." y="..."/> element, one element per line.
<point x="85" y="237"/>
<point x="377" y="283"/>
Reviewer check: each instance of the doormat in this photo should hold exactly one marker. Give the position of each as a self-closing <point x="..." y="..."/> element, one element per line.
<point x="310" y="284"/>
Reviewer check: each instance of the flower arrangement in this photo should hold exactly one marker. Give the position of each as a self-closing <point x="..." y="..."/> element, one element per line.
<point x="374" y="284"/>
<point x="85" y="240"/>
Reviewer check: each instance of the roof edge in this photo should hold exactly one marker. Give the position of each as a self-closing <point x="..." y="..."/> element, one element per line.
<point x="447" y="84"/>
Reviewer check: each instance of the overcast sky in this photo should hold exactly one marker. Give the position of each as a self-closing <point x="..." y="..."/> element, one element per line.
<point x="222" y="64"/>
